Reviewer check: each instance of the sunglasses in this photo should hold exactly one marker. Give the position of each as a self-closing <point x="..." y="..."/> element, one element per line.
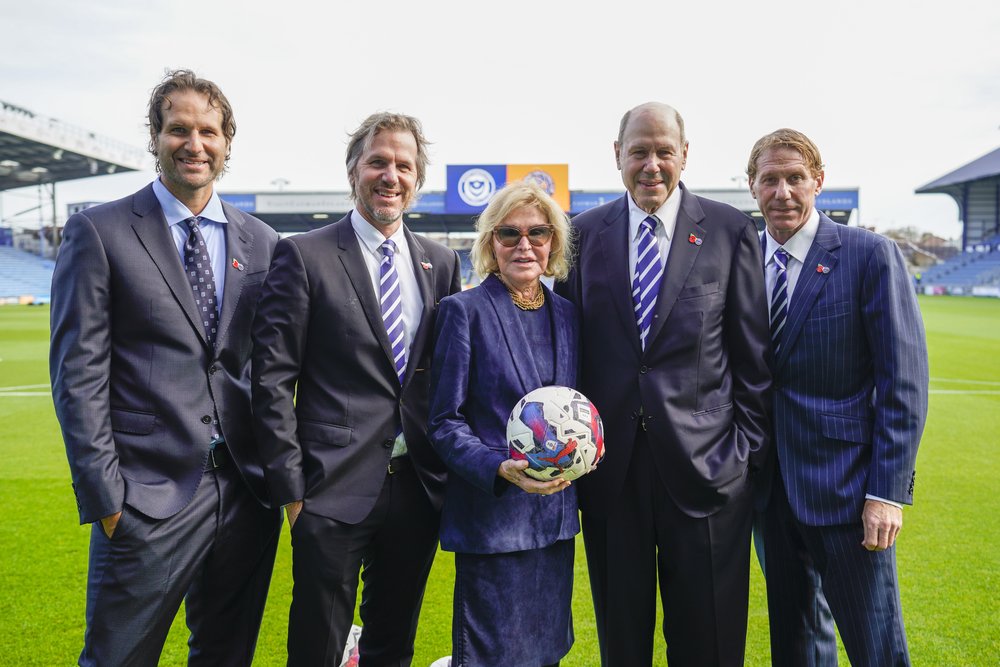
<point x="509" y="237"/>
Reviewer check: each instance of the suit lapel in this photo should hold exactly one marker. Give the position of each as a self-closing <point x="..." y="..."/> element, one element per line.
<point x="154" y="235"/>
<point x="562" y="329"/>
<point x="822" y="253"/>
<point x="357" y="274"/>
<point x="425" y="284"/>
<point x="680" y="259"/>
<point x="239" y="246"/>
<point x="513" y="333"/>
<point x="615" y="247"/>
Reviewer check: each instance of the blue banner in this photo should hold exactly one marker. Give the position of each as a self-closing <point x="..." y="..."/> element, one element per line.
<point x="429" y="202"/>
<point x="470" y="186"/>
<point x="837" y="200"/>
<point x="245" y="203"/>
<point x="582" y="201"/>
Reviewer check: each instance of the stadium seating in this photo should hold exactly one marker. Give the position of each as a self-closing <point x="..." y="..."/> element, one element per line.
<point x="966" y="270"/>
<point x="23" y="274"/>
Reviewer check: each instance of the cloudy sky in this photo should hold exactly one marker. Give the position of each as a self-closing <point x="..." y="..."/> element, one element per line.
<point x="894" y="93"/>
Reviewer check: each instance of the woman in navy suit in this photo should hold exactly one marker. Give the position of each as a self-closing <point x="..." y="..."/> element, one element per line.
<point x="513" y="536"/>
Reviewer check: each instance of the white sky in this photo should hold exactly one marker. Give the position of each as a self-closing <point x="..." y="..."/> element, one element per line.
<point x="894" y="93"/>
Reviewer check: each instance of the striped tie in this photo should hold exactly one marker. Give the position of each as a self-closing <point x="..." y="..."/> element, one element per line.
<point x="198" y="268"/>
<point x="779" y="298"/>
<point x="648" y="271"/>
<point x="392" y="308"/>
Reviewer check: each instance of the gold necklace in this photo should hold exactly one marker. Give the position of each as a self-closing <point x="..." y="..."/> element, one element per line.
<point x="525" y="303"/>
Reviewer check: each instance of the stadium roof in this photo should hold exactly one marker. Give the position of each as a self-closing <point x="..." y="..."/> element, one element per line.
<point x="987" y="166"/>
<point x="35" y="149"/>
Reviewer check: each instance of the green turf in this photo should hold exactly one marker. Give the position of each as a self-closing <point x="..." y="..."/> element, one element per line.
<point x="948" y="550"/>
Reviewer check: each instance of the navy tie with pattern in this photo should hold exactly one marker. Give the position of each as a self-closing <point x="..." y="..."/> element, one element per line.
<point x="198" y="268"/>
<point x="779" y="298"/>
<point x="392" y="307"/>
<point x="648" y="271"/>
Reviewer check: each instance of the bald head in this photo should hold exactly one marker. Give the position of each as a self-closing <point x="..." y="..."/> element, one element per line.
<point x="658" y="108"/>
<point x="651" y="153"/>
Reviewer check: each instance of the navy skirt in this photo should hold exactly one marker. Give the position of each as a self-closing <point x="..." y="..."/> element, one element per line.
<point x="513" y="609"/>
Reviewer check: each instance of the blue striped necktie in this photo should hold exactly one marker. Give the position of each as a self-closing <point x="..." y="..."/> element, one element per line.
<point x="648" y="271"/>
<point x="779" y="298"/>
<point x="198" y="268"/>
<point x="392" y="307"/>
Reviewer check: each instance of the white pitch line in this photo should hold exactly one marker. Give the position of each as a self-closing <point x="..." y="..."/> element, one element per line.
<point x="24" y="386"/>
<point x="12" y="394"/>
<point x="962" y="392"/>
<point x="957" y="381"/>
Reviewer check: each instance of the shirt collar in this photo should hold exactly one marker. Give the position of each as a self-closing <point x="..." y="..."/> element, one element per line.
<point x="174" y="211"/>
<point x="372" y="238"/>
<point x="667" y="214"/>
<point x="797" y="246"/>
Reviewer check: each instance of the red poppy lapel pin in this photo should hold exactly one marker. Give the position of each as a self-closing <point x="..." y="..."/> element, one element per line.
<point x="237" y="265"/>
<point x="822" y="269"/>
<point x="694" y="239"/>
<point x="426" y="266"/>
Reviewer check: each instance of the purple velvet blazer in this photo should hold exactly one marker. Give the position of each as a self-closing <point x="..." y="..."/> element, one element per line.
<point x="482" y="367"/>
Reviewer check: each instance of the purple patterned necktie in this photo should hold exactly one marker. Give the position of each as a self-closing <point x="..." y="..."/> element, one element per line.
<point x="779" y="298"/>
<point x="392" y="307"/>
<point x="198" y="268"/>
<point x="648" y="271"/>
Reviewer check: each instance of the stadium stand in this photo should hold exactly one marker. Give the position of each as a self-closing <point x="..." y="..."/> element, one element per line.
<point x="24" y="277"/>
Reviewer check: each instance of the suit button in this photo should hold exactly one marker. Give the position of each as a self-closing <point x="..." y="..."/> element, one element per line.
<point x="206" y="419"/>
<point x="388" y="443"/>
<point x="643" y="370"/>
<point x="211" y="371"/>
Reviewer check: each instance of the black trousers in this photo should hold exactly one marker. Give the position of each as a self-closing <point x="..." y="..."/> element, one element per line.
<point x="703" y="567"/>
<point x="393" y="548"/>
<point x="217" y="554"/>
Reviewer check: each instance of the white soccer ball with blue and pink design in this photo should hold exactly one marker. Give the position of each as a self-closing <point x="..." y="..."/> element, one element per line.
<point x="558" y="431"/>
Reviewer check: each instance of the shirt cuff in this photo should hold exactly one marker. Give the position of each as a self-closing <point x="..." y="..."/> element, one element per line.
<point x="869" y="496"/>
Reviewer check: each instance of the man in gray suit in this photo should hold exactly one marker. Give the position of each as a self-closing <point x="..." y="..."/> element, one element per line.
<point x="342" y="349"/>
<point x="152" y="299"/>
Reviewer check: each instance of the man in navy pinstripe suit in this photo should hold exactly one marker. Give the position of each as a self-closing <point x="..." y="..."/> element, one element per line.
<point x="850" y="400"/>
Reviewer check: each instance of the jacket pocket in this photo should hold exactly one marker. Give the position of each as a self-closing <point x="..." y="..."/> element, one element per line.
<point x="328" y="434"/>
<point x="698" y="290"/>
<point x="130" y="421"/>
<point x="851" y="429"/>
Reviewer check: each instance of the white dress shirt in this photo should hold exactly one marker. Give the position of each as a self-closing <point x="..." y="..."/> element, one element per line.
<point x="664" y="231"/>
<point x="371" y="241"/>
<point x="797" y="248"/>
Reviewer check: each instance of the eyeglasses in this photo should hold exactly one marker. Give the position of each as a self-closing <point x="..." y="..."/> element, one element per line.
<point x="509" y="237"/>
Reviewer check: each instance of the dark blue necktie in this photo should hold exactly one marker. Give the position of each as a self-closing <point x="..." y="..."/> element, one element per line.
<point x="392" y="307"/>
<point x="648" y="271"/>
<point x="779" y="298"/>
<point x="198" y="268"/>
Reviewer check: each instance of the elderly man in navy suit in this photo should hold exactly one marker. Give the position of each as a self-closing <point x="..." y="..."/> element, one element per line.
<point x="152" y="299"/>
<point x="850" y="400"/>
<point x="342" y="350"/>
<point x="674" y="355"/>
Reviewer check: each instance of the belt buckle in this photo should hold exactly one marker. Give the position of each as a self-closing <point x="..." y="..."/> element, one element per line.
<point x="391" y="470"/>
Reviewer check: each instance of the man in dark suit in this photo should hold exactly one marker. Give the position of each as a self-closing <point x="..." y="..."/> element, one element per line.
<point x="152" y="300"/>
<point x="344" y="328"/>
<point x="674" y="338"/>
<point x="850" y="400"/>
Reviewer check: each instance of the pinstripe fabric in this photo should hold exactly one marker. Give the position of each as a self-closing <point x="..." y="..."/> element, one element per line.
<point x="851" y="378"/>
<point x="850" y="400"/>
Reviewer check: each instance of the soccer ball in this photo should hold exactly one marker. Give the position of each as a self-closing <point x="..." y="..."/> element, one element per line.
<point x="558" y="431"/>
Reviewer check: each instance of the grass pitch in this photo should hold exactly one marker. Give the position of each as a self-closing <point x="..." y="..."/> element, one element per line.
<point x="949" y="552"/>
